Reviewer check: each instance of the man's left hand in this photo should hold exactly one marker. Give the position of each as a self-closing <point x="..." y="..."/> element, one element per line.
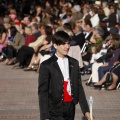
<point x="87" y="114"/>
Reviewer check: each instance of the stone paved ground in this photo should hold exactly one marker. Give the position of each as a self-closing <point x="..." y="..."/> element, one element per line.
<point x="19" y="100"/>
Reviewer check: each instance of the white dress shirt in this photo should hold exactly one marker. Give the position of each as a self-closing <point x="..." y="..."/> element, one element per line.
<point x="64" y="67"/>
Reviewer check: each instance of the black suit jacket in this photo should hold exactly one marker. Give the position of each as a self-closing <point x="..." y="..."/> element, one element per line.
<point x="50" y="89"/>
<point x="79" y="40"/>
<point x="89" y="36"/>
<point x="112" y="20"/>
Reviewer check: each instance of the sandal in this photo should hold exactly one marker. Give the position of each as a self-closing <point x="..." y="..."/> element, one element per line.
<point x="28" y="69"/>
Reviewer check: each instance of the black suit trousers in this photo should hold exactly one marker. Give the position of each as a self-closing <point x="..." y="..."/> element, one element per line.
<point x="67" y="114"/>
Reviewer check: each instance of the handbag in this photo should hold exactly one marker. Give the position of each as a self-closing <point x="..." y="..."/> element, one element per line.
<point x="109" y="77"/>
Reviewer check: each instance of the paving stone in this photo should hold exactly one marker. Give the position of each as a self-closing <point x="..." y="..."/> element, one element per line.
<point x="19" y="99"/>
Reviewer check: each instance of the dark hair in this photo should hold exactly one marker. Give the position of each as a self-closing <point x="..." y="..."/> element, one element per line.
<point x="95" y="10"/>
<point x="2" y="29"/>
<point x="48" y="30"/>
<point x="88" y="23"/>
<point x="49" y="38"/>
<point x="67" y="26"/>
<point x="23" y="26"/>
<point x="30" y="18"/>
<point x="103" y="25"/>
<point x="13" y="31"/>
<point x="35" y="25"/>
<point x="60" y="38"/>
<point x="116" y="38"/>
<point x="113" y="6"/>
<point x="48" y="2"/>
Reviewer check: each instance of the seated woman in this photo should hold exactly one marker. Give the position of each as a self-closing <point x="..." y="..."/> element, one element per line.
<point x="29" y="38"/>
<point x="12" y="47"/>
<point x="41" y="54"/>
<point x="28" y="51"/>
<point x="3" y="36"/>
<point x="105" y="58"/>
<point x="115" y="75"/>
<point x="116" y="55"/>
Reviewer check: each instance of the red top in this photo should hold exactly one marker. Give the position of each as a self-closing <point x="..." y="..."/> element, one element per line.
<point x="29" y="39"/>
<point x="17" y="23"/>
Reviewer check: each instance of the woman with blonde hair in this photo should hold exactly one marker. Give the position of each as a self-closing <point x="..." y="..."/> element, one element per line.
<point x="34" y="46"/>
<point x="29" y="36"/>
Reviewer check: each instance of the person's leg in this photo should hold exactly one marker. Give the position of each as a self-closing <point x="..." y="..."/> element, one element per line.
<point x="69" y="111"/>
<point x="102" y="80"/>
<point x="4" y="52"/>
<point x="32" y="61"/>
<point x="11" y="52"/>
<point x="18" y="54"/>
<point x="102" y="71"/>
<point x="87" y="67"/>
<point x="35" y="60"/>
<point x="22" y="56"/>
<point x="29" y="54"/>
<point x="25" y="55"/>
<point x="57" y="118"/>
<point x="115" y="80"/>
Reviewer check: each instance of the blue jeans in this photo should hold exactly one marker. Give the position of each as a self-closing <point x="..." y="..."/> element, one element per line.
<point x="103" y="70"/>
<point x="87" y="67"/>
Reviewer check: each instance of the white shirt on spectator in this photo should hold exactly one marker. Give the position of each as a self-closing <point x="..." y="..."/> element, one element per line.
<point x="98" y="55"/>
<point x="95" y="20"/>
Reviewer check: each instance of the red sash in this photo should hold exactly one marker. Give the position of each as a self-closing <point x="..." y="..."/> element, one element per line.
<point x="67" y="97"/>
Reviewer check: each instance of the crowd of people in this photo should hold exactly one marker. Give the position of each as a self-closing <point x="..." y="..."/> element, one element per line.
<point x="94" y="29"/>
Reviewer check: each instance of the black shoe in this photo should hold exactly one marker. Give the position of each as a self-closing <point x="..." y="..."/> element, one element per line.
<point x="88" y="72"/>
<point x="82" y="73"/>
<point x="98" y="87"/>
<point x="91" y="84"/>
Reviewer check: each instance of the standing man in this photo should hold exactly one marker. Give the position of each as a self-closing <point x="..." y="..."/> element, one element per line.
<point x="60" y="87"/>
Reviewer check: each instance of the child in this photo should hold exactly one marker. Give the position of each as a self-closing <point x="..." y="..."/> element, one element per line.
<point x="97" y="52"/>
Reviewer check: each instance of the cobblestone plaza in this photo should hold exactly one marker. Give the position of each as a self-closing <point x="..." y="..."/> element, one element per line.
<point x="19" y="99"/>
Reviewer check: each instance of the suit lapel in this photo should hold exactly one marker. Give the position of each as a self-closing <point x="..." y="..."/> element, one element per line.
<point x="56" y="66"/>
<point x="70" y="67"/>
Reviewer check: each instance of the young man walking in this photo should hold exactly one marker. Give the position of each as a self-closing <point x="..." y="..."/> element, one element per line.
<point x="60" y="87"/>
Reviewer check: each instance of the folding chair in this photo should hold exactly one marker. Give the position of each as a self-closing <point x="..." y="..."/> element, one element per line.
<point x="118" y="86"/>
<point x="89" y="80"/>
<point x="84" y="47"/>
